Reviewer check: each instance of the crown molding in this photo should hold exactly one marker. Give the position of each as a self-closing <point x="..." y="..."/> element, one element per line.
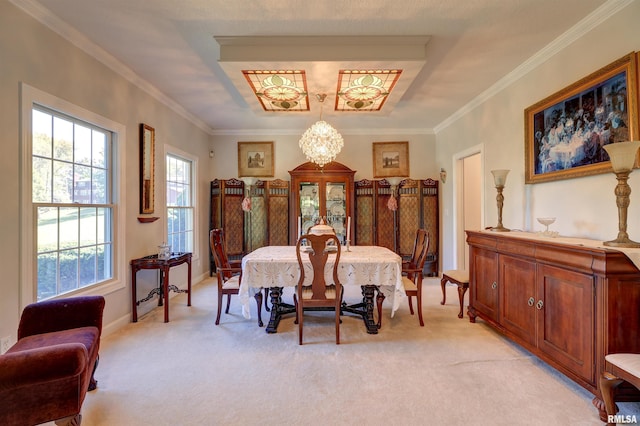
<point x="47" y="18"/>
<point x="591" y="21"/>
<point x="299" y="132"/>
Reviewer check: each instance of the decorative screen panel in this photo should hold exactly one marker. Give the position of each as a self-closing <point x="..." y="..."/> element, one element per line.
<point x="257" y="218"/>
<point x="409" y="216"/>
<point x="385" y="227"/>
<point x="364" y="220"/>
<point x="278" y="212"/>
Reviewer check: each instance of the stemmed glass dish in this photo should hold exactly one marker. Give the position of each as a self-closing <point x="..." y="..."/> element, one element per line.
<point x="546" y="221"/>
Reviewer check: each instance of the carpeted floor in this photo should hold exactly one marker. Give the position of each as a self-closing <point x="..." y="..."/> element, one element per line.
<point x="450" y="372"/>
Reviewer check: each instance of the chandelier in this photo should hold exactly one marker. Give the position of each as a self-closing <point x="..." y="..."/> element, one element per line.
<point x="321" y="142"/>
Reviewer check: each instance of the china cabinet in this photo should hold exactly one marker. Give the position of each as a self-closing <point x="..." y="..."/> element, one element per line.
<point x="569" y="304"/>
<point x="321" y="193"/>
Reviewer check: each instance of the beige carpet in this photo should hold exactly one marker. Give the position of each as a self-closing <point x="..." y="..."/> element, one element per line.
<point x="450" y="372"/>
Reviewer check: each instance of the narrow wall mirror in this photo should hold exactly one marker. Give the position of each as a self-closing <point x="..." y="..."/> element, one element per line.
<point x="147" y="162"/>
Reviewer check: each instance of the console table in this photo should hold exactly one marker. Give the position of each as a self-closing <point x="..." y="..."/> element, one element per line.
<point x="163" y="265"/>
<point x="568" y="301"/>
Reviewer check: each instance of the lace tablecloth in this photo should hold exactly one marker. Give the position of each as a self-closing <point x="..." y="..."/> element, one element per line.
<point x="277" y="266"/>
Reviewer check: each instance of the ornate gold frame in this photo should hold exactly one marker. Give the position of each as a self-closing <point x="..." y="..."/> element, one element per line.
<point x="539" y="165"/>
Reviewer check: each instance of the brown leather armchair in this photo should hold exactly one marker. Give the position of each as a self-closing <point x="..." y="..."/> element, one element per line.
<point x="47" y="373"/>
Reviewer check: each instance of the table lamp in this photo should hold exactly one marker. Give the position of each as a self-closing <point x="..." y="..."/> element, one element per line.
<point x="623" y="157"/>
<point x="500" y="178"/>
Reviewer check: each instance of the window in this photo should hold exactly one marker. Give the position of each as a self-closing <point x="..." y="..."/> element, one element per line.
<point x="72" y="228"/>
<point x="180" y="202"/>
<point x="71" y="195"/>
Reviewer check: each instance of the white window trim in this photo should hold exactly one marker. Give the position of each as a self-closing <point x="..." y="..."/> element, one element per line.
<point x="30" y="96"/>
<point x="169" y="149"/>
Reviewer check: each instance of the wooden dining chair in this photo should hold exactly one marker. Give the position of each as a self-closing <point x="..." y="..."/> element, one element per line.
<point x="412" y="272"/>
<point x="618" y="368"/>
<point x="319" y="293"/>
<point x="229" y="274"/>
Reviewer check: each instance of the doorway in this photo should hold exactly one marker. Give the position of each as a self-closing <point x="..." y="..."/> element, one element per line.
<point x="469" y="199"/>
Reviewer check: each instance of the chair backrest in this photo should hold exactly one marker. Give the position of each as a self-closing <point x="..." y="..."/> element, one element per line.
<point x="420" y="249"/>
<point x="219" y="249"/>
<point x="424" y="236"/>
<point x="319" y="252"/>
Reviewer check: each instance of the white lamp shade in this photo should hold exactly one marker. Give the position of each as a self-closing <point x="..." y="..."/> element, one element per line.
<point x="394" y="181"/>
<point x="622" y="155"/>
<point x="500" y="176"/>
<point x="248" y="181"/>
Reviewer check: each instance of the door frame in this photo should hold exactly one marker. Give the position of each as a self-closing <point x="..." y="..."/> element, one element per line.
<point x="459" y="236"/>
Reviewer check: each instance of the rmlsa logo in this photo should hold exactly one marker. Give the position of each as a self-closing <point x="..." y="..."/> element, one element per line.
<point x="622" y="419"/>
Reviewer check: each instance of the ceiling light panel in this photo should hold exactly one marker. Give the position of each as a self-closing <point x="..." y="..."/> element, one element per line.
<point x="281" y="90"/>
<point x="365" y="90"/>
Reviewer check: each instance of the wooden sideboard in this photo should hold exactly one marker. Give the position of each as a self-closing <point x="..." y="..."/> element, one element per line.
<point x="568" y="304"/>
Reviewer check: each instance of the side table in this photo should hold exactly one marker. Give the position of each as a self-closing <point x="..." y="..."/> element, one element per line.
<point x="163" y="265"/>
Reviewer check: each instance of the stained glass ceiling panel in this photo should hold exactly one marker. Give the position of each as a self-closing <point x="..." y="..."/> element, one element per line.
<point x="279" y="90"/>
<point x="365" y="90"/>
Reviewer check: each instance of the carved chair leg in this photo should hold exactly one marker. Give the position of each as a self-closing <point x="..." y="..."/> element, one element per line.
<point x="419" y="303"/>
<point x="410" y="304"/>
<point x="300" y="319"/>
<point x="93" y="383"/>
<point x="462" y="289"/>
<point x="258" y="297"/>
<point x="337" y="325"/>
<point x="379" y="299"/>
<point x="226" y="311"/>
<point x="266" y="297"/>
<point x="608" y="382"/>
<point x="220" y="295"/>
<point x="74" y="420"/>
<point x="295" y="304"/>
<point x="443" y="283"/>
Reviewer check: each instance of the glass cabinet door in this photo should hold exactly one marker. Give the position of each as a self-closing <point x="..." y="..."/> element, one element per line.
<point x="309" y="205"/>
<point x="336" y="205"/>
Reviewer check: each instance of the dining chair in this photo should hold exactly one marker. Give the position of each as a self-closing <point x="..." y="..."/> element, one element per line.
<point x="412" y="272"/>
<point x="318" y="293"/>
<point x="229" y="274"/>
<point x="618" y="368"/>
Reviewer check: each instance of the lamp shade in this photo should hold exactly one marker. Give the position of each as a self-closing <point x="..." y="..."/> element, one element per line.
<point x="248" y="181"/>
<point x="622" y="155"/>
<point x="394" y="181"/>
<point x="500" y="176"/>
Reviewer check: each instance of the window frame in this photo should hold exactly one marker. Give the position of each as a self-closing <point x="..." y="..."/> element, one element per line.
<point x="176" y="152"/>
<point x="30" y="97"/>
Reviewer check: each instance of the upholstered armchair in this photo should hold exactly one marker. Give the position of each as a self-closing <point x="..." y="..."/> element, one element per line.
<point x="47" y="373"/>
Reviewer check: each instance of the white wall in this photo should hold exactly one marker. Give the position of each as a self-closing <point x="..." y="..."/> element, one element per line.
<point x="357" y="154"/>
<point x="585" y="206"/>
<point x="33" y="54"/>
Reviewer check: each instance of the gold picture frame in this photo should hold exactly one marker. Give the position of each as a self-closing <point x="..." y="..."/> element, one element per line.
<point x="390" y="159"/>
<point x="565" y="132"/>
<point x="255" y="159"/>
<point x="147" y="168"/>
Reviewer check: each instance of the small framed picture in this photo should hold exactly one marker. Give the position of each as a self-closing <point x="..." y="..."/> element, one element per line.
<point x="390" y="159"/>
<point x="255" y="159"/>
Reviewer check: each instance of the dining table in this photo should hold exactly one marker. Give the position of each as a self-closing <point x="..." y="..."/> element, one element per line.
<point x="377" y="270"/>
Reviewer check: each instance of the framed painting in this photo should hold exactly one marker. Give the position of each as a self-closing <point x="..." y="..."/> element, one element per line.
<point x="390" y="159"/>
<point x="565" y="132"/>
<point x="147" y="167"/>
<point x="255" y="159"/>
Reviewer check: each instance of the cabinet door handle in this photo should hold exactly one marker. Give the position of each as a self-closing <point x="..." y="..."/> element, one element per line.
<point x="494" y="285"/>
<point x="531" y="301"/>
<point x="540" y="304"/>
